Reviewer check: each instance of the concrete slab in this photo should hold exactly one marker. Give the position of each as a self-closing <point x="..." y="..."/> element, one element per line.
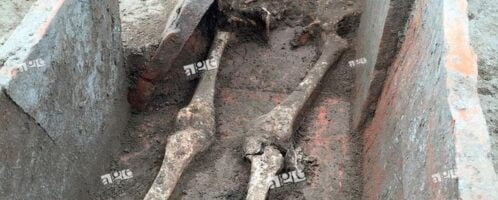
<point x="380" y="35"/>
<point x="183" y="19"/>
<point x="74" y="98"/>
<point x="13" y="12"/>
<point x="428" y="138"/>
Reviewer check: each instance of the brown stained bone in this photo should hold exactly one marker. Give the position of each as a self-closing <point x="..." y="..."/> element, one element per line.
<point x="196" y="125"/>
<point x="274" y="129"/>
<point x="180" y="25"/>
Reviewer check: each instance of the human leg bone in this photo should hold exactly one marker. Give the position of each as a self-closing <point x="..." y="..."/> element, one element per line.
<point x="196" y="125"/>
<point x="274" y="129"/>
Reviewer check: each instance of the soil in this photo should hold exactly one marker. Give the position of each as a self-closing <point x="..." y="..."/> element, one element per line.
<point x="256" y="73"/>
<point x="483" y="32"/>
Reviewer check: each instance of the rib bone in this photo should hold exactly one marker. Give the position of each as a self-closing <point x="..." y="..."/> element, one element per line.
<point x="196" y="125"/>
<point x="274" y="129"/>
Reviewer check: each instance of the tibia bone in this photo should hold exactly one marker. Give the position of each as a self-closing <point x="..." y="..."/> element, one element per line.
<point x="196" y="127"/>
<point x="274" y="129"/>
<point x="276" y="126"/>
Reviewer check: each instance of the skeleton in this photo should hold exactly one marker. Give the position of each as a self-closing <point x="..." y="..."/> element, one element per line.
<point x="266" y="134"/>
<point x="196" y="127"/>
<point x="267" y="137"/>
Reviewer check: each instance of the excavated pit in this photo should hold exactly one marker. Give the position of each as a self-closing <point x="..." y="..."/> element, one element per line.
<point x="255" y="75"/>
<point x="378" y="130"/>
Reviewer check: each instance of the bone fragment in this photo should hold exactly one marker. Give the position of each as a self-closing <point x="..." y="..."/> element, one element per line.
<point x="196" y="127"/>
<point x="263" y="168"/>
<point x="267" y="19"/>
